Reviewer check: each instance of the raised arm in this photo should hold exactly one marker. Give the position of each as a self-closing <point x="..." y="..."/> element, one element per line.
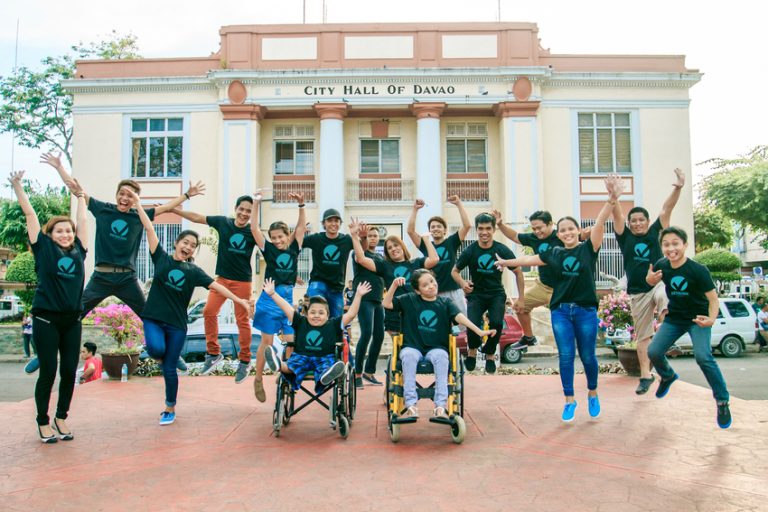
<point x="614" y="186"/>
<point x="33" y="224"/>
<point x="466" y="225"/>
<point x="55" y="162"/>
<point x="362" y="289"/>
<point x="269" y="289"/>
<point x="669" y="204"/>
<point x="432" y="258"/>
<point x="411" y="230"/>
<point x="248" y="305"/>
<point x="197" y="218"/>
<point x="505" y="229"/>
<point x="81" y="218"/>
<point x="387" y="300"/>
<point x="193" y="190"/>
<point x="360" y="257"/>
<point x="256" y="220"/>
<point x="152" y="240"/>
<point x="301" y="223"/>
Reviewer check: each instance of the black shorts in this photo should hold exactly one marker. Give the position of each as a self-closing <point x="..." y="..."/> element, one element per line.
<point x="392" y="321"/>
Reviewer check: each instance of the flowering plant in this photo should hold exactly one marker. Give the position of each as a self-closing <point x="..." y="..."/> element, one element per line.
<point x="614" y="313"/>
<point x="119" y="322"/>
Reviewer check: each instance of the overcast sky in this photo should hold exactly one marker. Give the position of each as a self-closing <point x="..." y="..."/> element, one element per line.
<point x="723" y="40"/>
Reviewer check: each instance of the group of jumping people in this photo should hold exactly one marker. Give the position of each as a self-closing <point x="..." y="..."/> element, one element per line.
<point x="421" y="297"/>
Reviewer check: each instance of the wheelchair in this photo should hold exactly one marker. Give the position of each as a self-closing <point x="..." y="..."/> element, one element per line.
<point x="341" y="406"/>
<point x="393" y="391"/>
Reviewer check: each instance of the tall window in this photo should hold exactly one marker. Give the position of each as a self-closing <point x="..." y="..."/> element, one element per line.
<point x="294" y="150"/>
<point x="466" y="147"/>
<point x="380" y="156"/>
<point x="604" y="143"/>
<point x="156" y="147"/>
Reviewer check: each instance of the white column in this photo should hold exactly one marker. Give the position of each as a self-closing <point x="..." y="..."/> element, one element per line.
<point x="331" y="183"/>
<point x="429" y="182"/>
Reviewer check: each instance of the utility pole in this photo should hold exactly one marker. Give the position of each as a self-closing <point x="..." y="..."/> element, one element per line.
<point x="15" y="67"/>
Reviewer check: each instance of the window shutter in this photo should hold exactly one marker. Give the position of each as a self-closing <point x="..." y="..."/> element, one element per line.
<point x="604" y="151"/>
<point x="390" y="156"/>
<point x="586" y="150"/>
<point x="456" y="160"/>
<point x="476" y="155"/>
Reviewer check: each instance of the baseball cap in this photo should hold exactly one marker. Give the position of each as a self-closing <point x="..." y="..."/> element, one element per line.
<point x="331" y="213"/>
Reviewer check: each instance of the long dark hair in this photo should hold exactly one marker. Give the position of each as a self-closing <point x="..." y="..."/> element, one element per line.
<point x="190" y="233"/>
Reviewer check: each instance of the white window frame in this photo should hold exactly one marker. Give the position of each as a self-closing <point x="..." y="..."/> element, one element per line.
<point x="127" y="146"/>
<point x="380" y="170"/>
<point x="613" y="127"/>
<point x="464" y="135"/>
<point x="282" y="134"/>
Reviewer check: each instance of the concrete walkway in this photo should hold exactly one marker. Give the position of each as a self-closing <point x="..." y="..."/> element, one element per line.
<point x="642" y="454"/>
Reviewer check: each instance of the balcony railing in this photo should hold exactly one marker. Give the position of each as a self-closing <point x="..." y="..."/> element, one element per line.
<point x="281" y="189"/>
<point x="470" y="190"/>
<point x="380" y="190"/>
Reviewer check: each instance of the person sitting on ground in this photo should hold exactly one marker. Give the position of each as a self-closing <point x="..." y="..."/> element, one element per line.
<point x="314" y="346"/>
<point x="91" y="363"/>
<point x="426" y="320"/>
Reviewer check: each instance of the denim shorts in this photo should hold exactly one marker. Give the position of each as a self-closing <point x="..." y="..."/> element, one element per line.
<point x="269" y="318"/>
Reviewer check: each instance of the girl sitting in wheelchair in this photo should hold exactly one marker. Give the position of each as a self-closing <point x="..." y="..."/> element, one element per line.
<point x="314" y="345"/>
<point x="426" y="323"/>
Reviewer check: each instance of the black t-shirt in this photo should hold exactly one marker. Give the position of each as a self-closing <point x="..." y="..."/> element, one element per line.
<point x="236" y="245"/>
<point x="60" y="276"/>
<point x="329" y="258"/>
<point x="639" y="252"/>
<point x="118" y="234"/>
<point x="363" y="274"/>
<point x="315" y="341"/>
<point x="574" y="271"/>
<point x="172" y="288"/>
<point x="446" y="252"/>
<point x="426" y="324"/>
<point x="546" y="274"/>
<point x="686" y="287"/>
<point x="281" y="265"/>
<point x="390" y="270"/>
<point x="486" y="278"/>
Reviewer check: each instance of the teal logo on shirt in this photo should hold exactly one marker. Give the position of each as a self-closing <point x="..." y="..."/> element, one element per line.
<point x="403" y="272"/>
<point x="443" y="254"/>
<point x="571" y="266"/>
<point x="237" y="243"/>
<point x="66" y="266"/>
<point x="331" y="255"/>
<point x="119" y="229"/>
<point x="176" y="279"/>
<point x="428" y="319"/>
<point x="642" y="251"/>
<point x="544" y="247"/>
<point x="485" y="263"/>
<point x="284" y="262"/>
<point x="679" y="285"/>
<point x="314" y="340"/>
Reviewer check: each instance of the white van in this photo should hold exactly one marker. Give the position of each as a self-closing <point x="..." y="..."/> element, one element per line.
<point x="10" y="305"/>
<point x="733" y="329"/>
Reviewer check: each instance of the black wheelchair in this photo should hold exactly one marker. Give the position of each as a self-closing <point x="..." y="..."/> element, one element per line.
<point x="341" y="406"/>
<point x="393" y="391"/>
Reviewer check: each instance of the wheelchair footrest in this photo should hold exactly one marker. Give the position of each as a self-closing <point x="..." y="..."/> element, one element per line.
<point x="401" y="421"/>
<point x="442" y="421"/>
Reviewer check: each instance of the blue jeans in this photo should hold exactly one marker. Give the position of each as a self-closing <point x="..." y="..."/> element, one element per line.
<point x="410" y="358"/>
<point x="335" y="298"/>
<point x="575" y="326"/>
<point x="164" y="341"/>
<point x="668" y="333"/>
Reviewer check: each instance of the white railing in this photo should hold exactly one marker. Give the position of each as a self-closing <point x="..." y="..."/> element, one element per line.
<point x="281" y="189"/>
<point x="469" y="190"/>
<point x="167" y="234"/>
<point x="380" y="190"/>
<point x="610" y="262"/>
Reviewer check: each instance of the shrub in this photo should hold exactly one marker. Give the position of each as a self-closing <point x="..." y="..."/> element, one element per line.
<point x="722" y="264"/>
<point x="22" y="270"/>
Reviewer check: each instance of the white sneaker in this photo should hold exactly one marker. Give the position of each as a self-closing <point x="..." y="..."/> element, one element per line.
<point x="273" y="361"/>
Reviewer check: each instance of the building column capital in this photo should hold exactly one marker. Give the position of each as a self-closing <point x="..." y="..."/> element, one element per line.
<point x="427" y="110"/>
<point x="239" y="112"/>
<point x="516" y="109"/>
<point x="331" y="110"/>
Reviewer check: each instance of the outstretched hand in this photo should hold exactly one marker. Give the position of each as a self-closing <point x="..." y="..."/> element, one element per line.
<point x="51" y="159"/>
<point x="196" y="190"/>
<point x="680" y="181"/>
<point x="496" y="215"/>
<point x="363" y="288"/>
<point x="15" y="177"/>
<point x="268" y="286"/>
<point x="501" y="263"/>
<point x="296" y="196"/>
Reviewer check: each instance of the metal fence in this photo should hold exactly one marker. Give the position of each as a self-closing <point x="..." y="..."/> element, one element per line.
<point x="167" y="234"/>
<point x="610" y="262"/>
<point x="281" y="189"/>
<point x="470" y="191"/>
<point x="379" y="190"/>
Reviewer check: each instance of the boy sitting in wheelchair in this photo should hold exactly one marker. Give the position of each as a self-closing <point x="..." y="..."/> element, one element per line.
<point x="426" y="323"/>
<point x="314" y="346"/>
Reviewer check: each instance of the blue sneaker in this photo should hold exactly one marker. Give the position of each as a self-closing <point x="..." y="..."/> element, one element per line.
<point x="723" y="415"/>
<point x="664" y="385"/>
<point x="569" y="411"/>
<point x="32" y="366"/>
<point x="166" y="418"/>
<point x="181" y="365"/>
<point x="593" y="404"/>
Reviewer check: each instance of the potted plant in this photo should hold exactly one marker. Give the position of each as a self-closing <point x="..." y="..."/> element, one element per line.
<point x="120" y="323"/>
<point x="616" y="317"/>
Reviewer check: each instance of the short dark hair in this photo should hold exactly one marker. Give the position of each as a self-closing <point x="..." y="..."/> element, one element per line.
<point x="245" y="198"/>
<point x="639" y="209"/>
<point x="542" y="215"/>
<point x="129" y="183"/>
<point x="319" y="299"/>
<point x="279" y="225"/>
<point x="568" y="217"/>
<point x="90" y="347"/>
<point x="674" y="230"/>
<point x="485" y="218"/>
<point x="439" y="219"/>
<point x="416" y="275"/>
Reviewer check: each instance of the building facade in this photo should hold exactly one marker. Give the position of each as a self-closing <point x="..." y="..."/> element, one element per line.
<point x="365" y="118"/>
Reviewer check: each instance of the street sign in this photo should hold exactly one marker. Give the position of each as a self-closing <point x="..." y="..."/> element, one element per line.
<point x="757" y="271"/>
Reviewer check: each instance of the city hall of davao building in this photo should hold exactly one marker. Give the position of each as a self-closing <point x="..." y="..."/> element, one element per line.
<point x="365" y="118"/>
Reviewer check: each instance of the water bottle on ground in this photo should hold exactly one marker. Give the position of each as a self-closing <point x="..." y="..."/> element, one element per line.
<point x="124" y="373"/>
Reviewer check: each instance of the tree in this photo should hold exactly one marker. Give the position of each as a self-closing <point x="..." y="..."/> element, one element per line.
<point x="47" y="203"/>
<point x="722" y="264"/>
<point x="22" y="270"/>
<point x="738" y="190"/>
<point x="37" y="109"/>
<point x="711" y="228"/>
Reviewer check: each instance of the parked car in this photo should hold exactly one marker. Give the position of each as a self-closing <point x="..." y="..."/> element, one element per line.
<point x="736" y="325"/>
<point x="511" y="334"/>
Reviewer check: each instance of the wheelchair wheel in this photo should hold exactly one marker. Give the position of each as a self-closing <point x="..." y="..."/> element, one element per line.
<point x="343" y="426"/>
<point x="387" y="381"/>
<point x="287" y="407"/>
<point x="351" y="394"/>
<point x="278" y="416"/>
<point x="460" y="398"/>
<point x="394" y="431"/>
<point x="458" y="429"/>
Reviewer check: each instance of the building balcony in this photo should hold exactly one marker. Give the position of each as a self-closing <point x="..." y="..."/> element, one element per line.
<point x="380" y="190"/>
<point x="469" y="190"/>
<point x="283" y="185"/>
